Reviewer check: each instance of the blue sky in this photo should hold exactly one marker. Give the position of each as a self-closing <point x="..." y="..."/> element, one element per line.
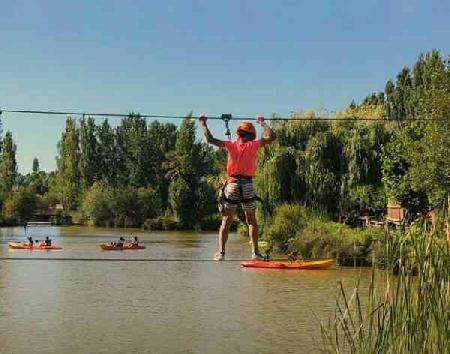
<point x="244" y="57"/>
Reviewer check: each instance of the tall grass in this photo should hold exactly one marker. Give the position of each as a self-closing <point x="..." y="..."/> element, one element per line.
<point x="404" y="313"/>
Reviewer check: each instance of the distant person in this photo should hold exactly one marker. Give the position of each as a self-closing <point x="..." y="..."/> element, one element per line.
<point x="135" y="241"/>
<point x="121" y="242"/>
<point x="47" y="241"/>
<point x="267" y="255"/>
<point x="30" y="240"/>
<point x="239" y="190"/>
<point x="293" y="256"/>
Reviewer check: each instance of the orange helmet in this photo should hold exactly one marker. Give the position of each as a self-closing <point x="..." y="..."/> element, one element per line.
<point x="246" y="127"/>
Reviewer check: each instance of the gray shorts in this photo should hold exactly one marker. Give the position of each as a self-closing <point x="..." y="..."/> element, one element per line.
<point x="234" y="198"/>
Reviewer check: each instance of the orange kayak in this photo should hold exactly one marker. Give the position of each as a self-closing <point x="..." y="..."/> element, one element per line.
<point x="311" y="265"/>
<point x="26" y="246"/>
<point x="121" y="248"/>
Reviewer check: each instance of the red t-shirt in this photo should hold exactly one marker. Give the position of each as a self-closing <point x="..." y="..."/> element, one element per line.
<point x="242" y="157"/>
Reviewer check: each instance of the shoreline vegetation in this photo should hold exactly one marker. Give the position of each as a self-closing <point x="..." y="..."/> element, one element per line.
<point x="403" y="313"/>
<point x="317" y="180"/>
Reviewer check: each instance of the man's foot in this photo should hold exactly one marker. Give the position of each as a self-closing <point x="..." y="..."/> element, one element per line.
<point x="256" y="256"/>
<point x="219" y="256"/>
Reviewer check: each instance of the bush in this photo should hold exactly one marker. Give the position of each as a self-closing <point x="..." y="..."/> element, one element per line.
<point x="289" y="219"/>
<point x="19" y="205"/>
<point x="326" y="239"/>
<point x="97" y="205"/>
<point x="162" y="223"/>
<point x="295" y="228"/>
<point x="105" y="206"/>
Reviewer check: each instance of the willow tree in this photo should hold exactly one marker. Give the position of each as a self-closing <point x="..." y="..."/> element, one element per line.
<point x="361" y="165"/>
<point x="301" y="166"/>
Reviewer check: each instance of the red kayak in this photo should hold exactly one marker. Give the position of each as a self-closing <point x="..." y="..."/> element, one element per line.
<point x="27" y="246"/>
<point x="310" y="265"/>
<point x="121" y="248"/>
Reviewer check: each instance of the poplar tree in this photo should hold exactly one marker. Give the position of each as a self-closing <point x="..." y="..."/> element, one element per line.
<point x="163" y="137"/>
<point x="8" y="164"/>
<point x="68" y="176"/>
<point x="35" y="166"/>
<point x="106" y="169"/>
<point x="89" y="165"/>
<point x="138" y="152"/>
<point x="182" y="168"/>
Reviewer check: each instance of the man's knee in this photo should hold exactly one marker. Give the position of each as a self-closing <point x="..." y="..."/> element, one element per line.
<point x="227" y="219"/>
<point x="250" y="218"/>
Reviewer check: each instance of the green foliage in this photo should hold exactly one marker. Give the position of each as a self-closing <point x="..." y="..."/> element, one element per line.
<point x="68" y="174"/>
<point x="19" y="205"/>
<point x="136" y="167"/>
<point x="97" y="205"/>
<point x="415" y="162"/>
<point x="106" y="154"/>
<point x="125" y="206"/>
<point x="189" y="197"/>
<point x="88" y="152"/>
<point x="288" y="221"/>
<point x="35" y="165"/>
<point x="324" y="166"/>
<point x="407" y="313"/>
<point x="8" y="164"/>
<point x="295" y="228"/>
<point x="162" y="223"/>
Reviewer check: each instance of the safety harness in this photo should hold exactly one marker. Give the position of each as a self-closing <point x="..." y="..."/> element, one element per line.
<point x="222" y="199"/>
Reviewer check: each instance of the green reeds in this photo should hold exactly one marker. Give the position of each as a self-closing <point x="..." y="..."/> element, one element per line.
<point x="408" y="312"/>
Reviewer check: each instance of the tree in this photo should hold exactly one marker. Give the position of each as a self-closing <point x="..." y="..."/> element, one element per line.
<point x="390" y="102"/>
<point x="68" y="176"/>
<point x="135" y="153"/>
<point x="20" y="204"/>
<point x="106" y="154"/>
<point x="163" y="137"/>
<point x="8" y="164"/>
<point x="88" y="153"/>
<point x="35" y="165"/>
<point x="185" y="167"/>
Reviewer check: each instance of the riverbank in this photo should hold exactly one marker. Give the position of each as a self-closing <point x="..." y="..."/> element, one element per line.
<point x="405" y="313"/>
<point x="294" y="228"/>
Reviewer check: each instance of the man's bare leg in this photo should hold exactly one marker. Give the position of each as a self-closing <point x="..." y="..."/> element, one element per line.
<point x="252" y="228"/>
<point x="227" y="220"/>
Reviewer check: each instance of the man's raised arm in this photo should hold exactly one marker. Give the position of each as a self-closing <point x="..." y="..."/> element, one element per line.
<point x="269" y="134"/>
<point x="208" y="135"/>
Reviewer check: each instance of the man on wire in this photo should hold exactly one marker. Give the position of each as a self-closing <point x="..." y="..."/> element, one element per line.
<point x="239" y="189"/>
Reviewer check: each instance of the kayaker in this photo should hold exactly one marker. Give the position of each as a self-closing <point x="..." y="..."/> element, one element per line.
<point x="121" y="242"/>
<point x="30" y="240"/>
<point x="239" y="189"/>
<point x="293" y="256"/>
<point x="267" y="255"/>
<point x="135" y="241"/>
<point x="47" y="241"/>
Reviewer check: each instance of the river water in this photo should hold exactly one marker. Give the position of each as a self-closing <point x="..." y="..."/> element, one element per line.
<point x="178" y="306"/>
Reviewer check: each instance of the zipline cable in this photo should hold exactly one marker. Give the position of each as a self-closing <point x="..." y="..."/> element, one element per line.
<point x="153" y="260"/>
<point x="223" y="117"/>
